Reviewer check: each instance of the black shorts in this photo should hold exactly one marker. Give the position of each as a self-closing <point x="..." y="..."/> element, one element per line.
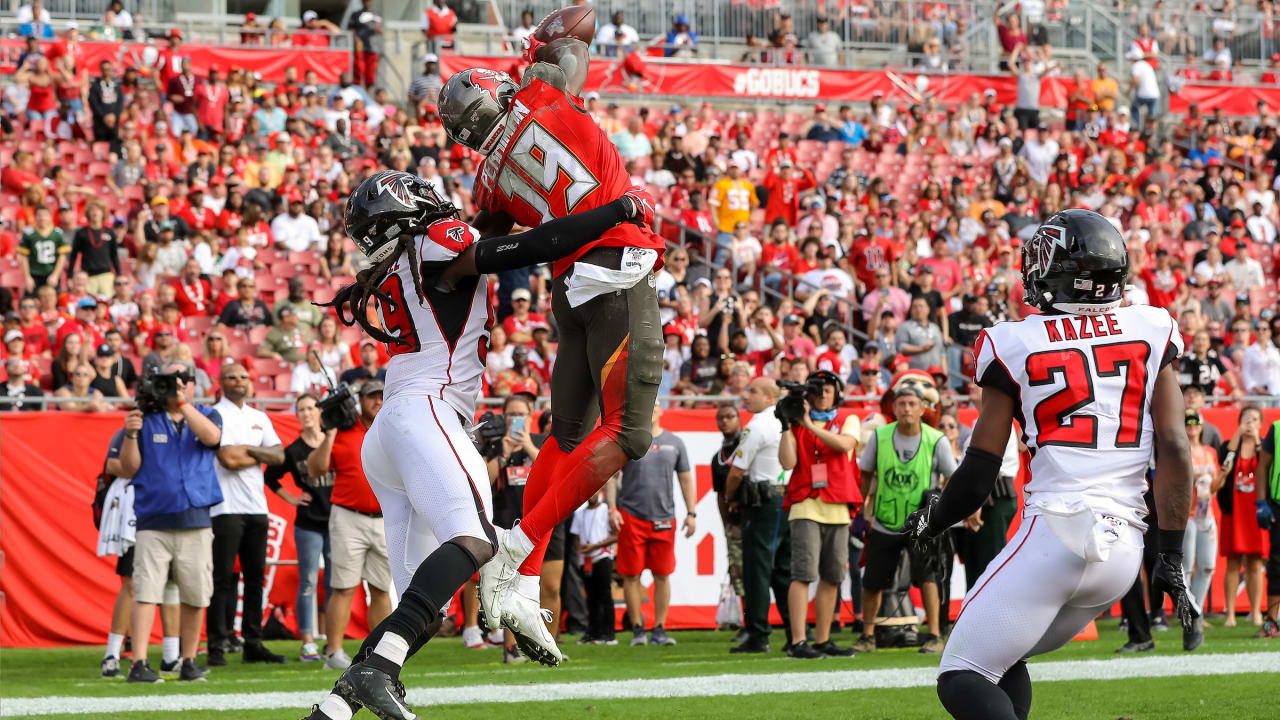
<point x="124" y="563"/>
<point x="558" y="549"/>
<point x="883" y="553"/>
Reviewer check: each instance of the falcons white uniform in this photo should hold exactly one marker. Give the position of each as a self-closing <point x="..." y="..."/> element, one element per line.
<point x="431" y="482"/>
<point x="1082" y="387"/>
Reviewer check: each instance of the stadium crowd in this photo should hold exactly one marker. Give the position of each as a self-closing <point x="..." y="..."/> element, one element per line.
<point x="180" y="217"/>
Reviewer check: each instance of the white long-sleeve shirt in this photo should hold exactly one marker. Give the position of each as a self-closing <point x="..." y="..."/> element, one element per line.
<point x="1261" y="368"/>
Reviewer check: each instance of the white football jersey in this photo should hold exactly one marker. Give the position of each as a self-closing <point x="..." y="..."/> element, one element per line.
<point x="1082" y="386"/>
<point x="448" y="332"/>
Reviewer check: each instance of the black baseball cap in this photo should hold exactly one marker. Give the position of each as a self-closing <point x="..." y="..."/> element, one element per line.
<point x="104" y="350"/>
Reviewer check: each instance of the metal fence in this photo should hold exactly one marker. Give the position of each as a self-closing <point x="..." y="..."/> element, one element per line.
<point x="154" y="10"/>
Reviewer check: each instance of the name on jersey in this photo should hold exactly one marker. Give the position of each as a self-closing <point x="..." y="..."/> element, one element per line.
<point x="515" y="115"/>
<point x="1080" y="327"/>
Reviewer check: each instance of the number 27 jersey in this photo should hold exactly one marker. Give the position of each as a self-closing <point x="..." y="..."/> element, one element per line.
<point x="1082" y="387"/>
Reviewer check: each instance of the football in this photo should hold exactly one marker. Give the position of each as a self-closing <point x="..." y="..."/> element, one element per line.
<point x="576" y="22"/>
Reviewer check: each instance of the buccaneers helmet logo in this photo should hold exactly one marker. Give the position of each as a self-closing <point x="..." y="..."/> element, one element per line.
<point x="490" y="81"/>
<point x="1044" y="244"/>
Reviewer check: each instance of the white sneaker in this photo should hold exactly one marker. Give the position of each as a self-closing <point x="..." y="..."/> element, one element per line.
<point x="497" y="638"/>
<point x="528" y="623"/>
<point x="309" y="652"/>
<point x="473" y="639"/>
<point x="496" y="578"/>
<point x="339" y="660"/>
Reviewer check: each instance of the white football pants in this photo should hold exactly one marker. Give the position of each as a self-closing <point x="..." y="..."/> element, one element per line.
<point x="430" y="480"/>
<point x="1038" y="593"/>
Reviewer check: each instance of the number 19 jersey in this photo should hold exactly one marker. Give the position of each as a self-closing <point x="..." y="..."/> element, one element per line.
<point x="552" y="161"/>
<point x="447" y="332"/>
<point x="1082" y="388"/>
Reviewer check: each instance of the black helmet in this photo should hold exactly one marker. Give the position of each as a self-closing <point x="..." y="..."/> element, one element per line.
<point x="386" y="204"/>
<point x="1076" y="263"/>
<point x="472" y="105"/>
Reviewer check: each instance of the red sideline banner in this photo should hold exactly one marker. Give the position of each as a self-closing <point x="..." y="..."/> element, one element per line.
<point x="270" y="62"/>
<point x="654" y="76"/>
<point x="56" y="591"/>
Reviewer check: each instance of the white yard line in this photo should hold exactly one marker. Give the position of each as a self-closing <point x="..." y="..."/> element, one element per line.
<point x="699" y="686"/>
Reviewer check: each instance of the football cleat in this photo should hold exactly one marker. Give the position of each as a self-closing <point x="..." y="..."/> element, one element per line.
<point x="376" y="691"/>
<point x="527" y="621"/>
<point x="496" y="578"/>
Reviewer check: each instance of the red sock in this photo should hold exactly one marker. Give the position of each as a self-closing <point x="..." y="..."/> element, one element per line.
<point x="542" y="475"/>
<point x="577" y="478"/>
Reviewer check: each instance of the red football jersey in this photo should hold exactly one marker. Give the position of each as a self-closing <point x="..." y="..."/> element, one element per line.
<point x="553" y="161"/>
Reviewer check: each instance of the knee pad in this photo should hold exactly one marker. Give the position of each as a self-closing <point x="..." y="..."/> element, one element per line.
<point x="635" y="442"/>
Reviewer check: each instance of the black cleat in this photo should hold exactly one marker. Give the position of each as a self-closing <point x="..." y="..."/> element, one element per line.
<point x="376" y="691"/>
<point x="1192" y="640"/>
<point x="170" y="669"/>
<point x="258" y="653"/>
<point x="141" y="672"/>
<point x="803" y="651"/>
<point x="191" y="672"/>
<point x="830" y="649"/>
<point x="216" y="657"/>
<point x="750" y="646"/>
<point x="235" y="644"/>
<point x="1133" y="647"/>
<point x="315" y="714"/>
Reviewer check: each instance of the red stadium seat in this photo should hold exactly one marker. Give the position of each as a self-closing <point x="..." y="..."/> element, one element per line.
<point x="258" y="334"/>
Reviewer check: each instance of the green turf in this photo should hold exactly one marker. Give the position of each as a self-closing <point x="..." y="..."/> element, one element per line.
<point x="73" y="672"/>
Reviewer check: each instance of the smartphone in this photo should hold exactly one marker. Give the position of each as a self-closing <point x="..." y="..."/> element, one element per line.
<point x="517" y="425"/>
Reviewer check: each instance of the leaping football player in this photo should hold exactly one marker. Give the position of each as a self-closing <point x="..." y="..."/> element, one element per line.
<point x="428" y="286"/>
<point x="545" y="158"/>
<point x="1095" y="388"/>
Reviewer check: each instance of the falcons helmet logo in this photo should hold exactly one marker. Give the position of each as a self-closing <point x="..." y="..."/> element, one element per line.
<point x="1044" y="244"/>
<point x="396" y="185"/>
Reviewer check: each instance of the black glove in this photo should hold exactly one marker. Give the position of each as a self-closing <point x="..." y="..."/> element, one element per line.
<point x="1167" y="576"/>
<point x="916" y="528"/>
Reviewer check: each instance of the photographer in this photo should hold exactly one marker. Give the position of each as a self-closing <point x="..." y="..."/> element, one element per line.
<point x="755" y="486"/>
<point x="311" y="525"/>
<point x="357" y="537"/>
<point x="169" y="449"/>
<point x="240" y="525"/>
<point x="822" y="494"/>
<point x="509" y="448"/>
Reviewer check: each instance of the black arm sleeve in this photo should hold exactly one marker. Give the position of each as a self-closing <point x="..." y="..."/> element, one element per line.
<point x="271" y="477"/>
<point x="969" y="487"/>
<point x="550" y="241"/>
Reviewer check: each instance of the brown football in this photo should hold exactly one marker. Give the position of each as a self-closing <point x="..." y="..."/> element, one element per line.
<point x="577" y="22"/>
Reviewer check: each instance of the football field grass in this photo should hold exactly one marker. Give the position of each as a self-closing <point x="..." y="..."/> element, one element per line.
<point x="1231" y="676"/>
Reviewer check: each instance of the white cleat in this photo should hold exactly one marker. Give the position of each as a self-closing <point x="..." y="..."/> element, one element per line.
<point x="496" y="579"/>
<point x="527" y="621"/>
